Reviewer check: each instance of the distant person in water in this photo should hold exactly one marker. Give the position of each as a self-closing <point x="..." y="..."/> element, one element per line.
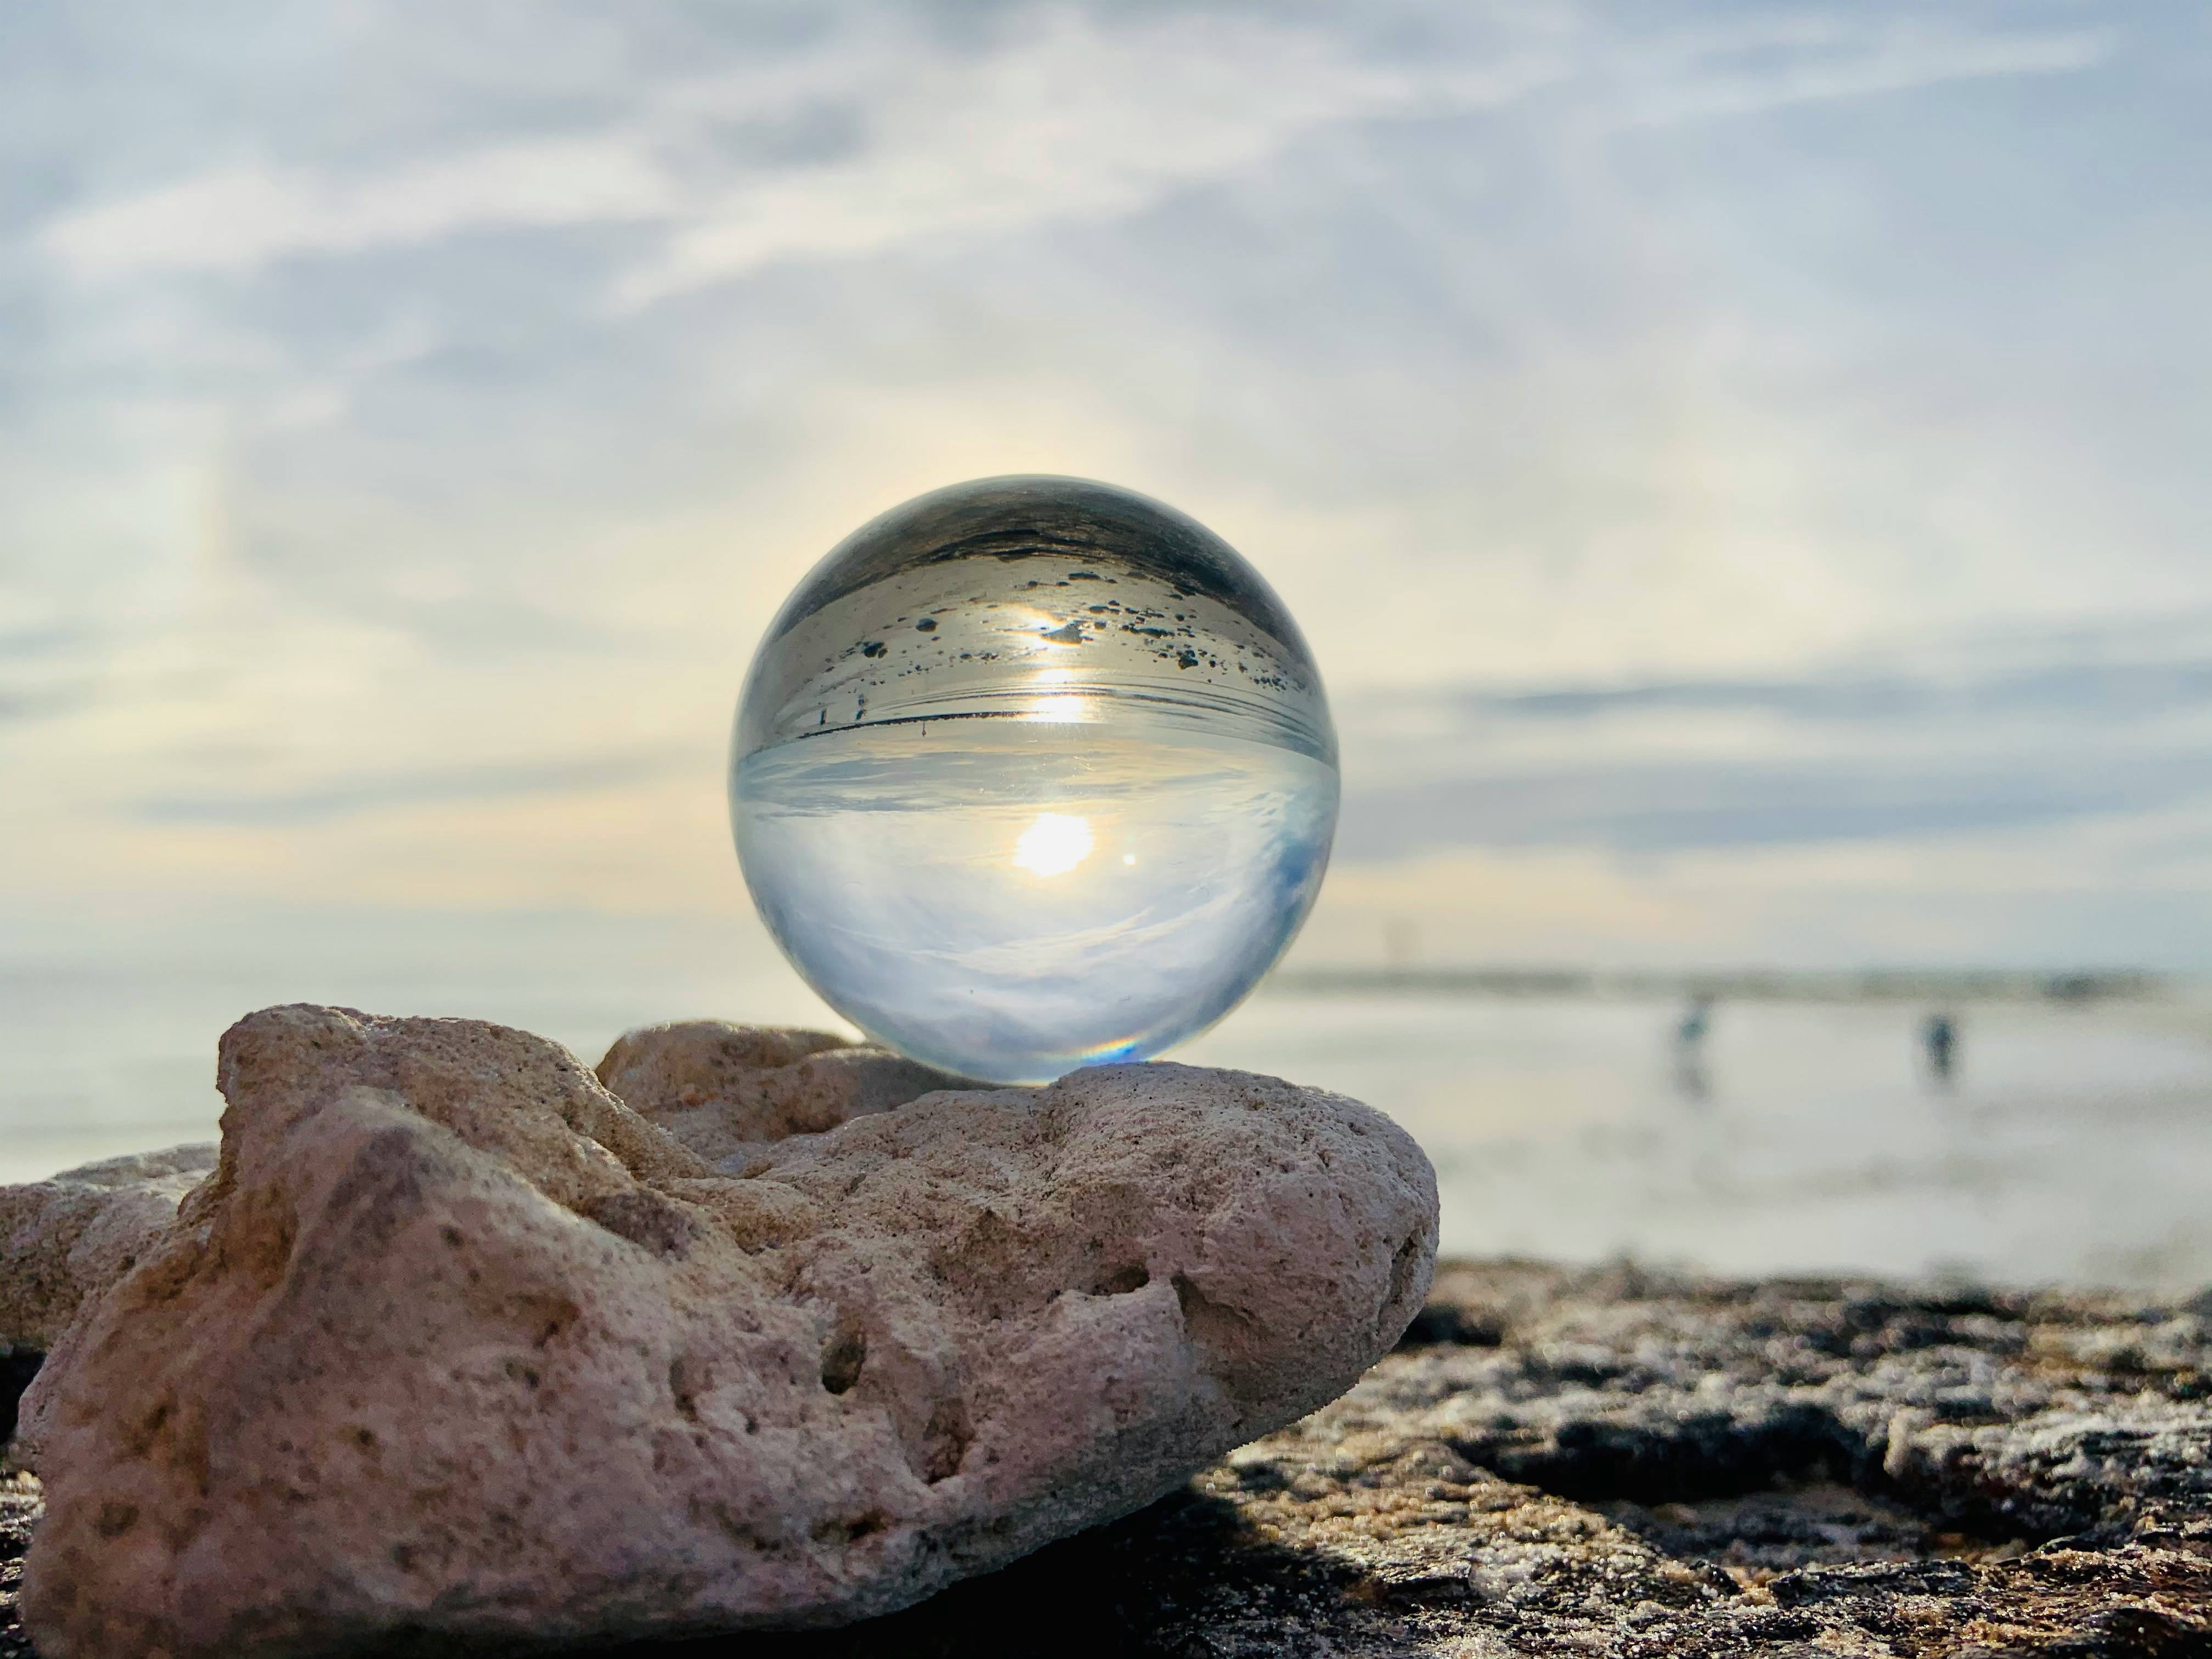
<point x="1690" y="1079"/>
<point x="1939" y="1039"/>
<point x="1696" y="1022"/>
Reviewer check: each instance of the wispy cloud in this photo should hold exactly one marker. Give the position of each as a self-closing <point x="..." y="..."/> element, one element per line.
<point x="1851" y="754"/>
<point x="242" y="219"/>
<point x="1824" y="57"/>
<point x="1068" y="123"/>
<point x="1065" y="117"/>
<point x="392" y="461"/>
<point x="437" y="785"/>
<point x="2074" y="692"/>
<point x="1674" y="806"/>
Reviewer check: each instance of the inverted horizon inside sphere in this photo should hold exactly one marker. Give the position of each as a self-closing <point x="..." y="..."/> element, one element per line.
<point x="1031" y="774"/>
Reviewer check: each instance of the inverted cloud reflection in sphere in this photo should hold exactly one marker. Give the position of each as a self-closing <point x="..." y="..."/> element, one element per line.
<point x="1031" y="774"/>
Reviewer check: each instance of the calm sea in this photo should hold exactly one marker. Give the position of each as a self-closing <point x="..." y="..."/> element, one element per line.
<point x="2072" y="1143"/>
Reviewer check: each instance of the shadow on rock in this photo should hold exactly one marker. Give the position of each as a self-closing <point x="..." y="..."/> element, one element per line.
<point x="1146" y="1585"/>
<point x="16" y="1370"/>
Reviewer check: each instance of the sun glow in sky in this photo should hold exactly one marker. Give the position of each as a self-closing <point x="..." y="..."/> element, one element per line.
<point x="1739" y="466"/>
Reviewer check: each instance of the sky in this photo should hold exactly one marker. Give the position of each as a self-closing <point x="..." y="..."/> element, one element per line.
<point x="1741" y="468"/>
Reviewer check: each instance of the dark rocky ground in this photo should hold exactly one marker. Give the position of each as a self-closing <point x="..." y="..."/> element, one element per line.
<point x="1621" y="1463"/>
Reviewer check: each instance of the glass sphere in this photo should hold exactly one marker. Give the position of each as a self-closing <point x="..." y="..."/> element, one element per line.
<point x="1031" y="774"/>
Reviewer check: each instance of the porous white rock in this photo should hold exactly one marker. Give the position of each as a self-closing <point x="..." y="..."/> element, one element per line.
<point x="723" y="1090"/>
<point x="456" y="1344"/>
<point x="74" y="1234"/>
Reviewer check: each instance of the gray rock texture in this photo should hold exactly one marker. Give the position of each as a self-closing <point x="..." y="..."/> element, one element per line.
<point x="455" y="1344"/>
<point x="81" y="1230"/>
<point x="1701" y="1468"/>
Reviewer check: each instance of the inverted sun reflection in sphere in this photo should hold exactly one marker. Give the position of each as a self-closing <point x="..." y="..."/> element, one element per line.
<point x="1032" y="774"/>
<point x="1055" y="844"/>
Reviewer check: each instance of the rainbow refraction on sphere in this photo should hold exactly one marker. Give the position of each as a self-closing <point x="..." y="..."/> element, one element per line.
<point x="1031" y="774"/>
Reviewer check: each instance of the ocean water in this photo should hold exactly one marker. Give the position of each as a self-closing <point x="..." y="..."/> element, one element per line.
<point x="2071" y="1144"/>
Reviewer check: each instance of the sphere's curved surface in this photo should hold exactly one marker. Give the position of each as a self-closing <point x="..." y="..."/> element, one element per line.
<point x="1030" y="773"/>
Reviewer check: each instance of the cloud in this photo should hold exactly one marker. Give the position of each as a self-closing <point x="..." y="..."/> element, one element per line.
<point x="2112" y="691"/>
<point x="1069" y="123"/>
<point x="238" y="220"/>
<point x="1075" y="122"/>
<point x="1852" y="754"/>
<point x="1065" y="119"/>
<point x="394" y="509"/>
<point x="433" y="787"/>
<point x="1062" y="118"/>
<point x="1811" y="59"/>
<point x="1671" y="807"/>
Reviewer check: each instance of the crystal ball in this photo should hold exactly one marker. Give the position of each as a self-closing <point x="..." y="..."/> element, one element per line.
<point x="1031" y="774"/>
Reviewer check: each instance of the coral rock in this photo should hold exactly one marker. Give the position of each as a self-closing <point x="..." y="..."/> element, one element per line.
<point x="454" y="1343"/>
<point x="75" y="1234"/>
<point x="722" y="1090"/>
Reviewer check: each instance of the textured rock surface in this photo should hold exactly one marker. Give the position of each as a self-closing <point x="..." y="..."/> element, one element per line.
<point x="1698" y="1470"/>
<point x="455" y="1342"/>
<point x="19" y="1507"/>
<point x="80" y="1231"/>
<point x="1705" y="1469"/>
<point x="724" y="1090"/>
